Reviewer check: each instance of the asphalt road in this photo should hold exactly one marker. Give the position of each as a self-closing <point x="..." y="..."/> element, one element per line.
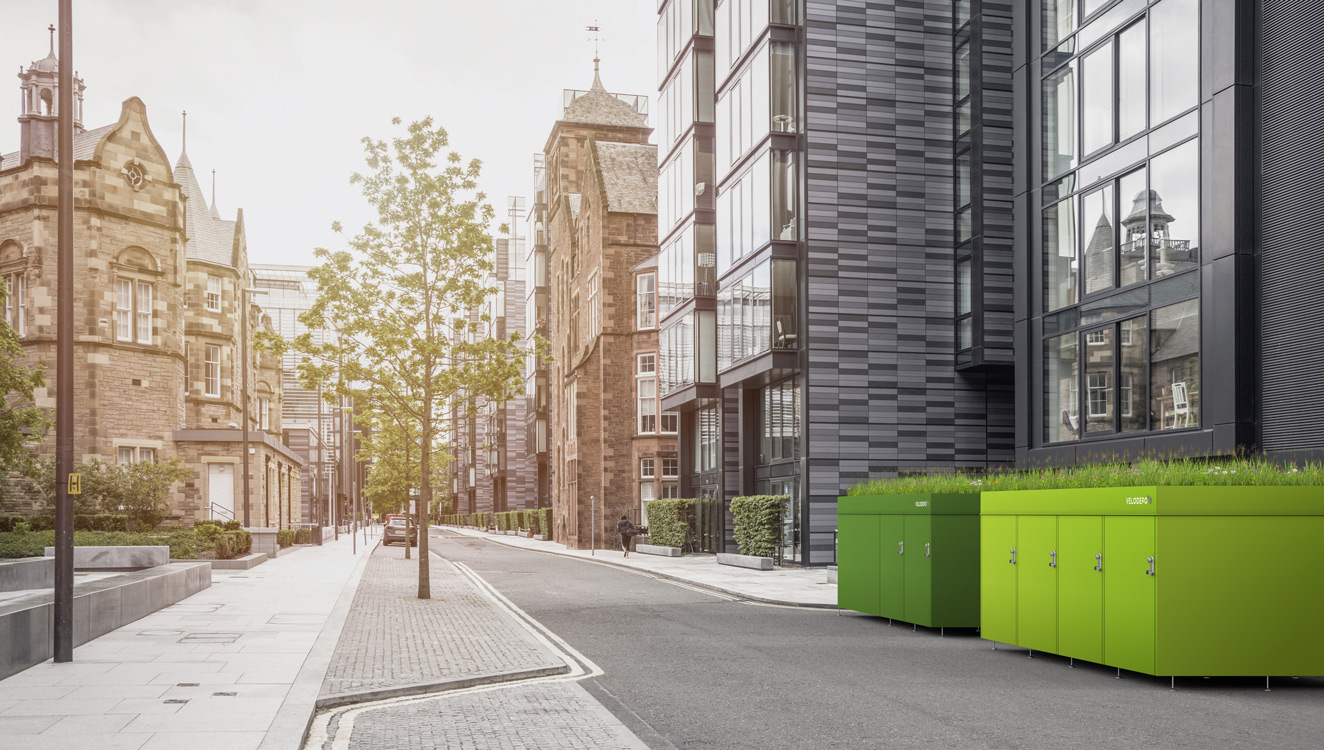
<point x="690" y="670"/>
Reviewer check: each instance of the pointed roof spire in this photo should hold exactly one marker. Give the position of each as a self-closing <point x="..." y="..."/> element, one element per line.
<point x="215" y="214"/>
<point x="183" y="162"/>
<point x="596" y="31"/>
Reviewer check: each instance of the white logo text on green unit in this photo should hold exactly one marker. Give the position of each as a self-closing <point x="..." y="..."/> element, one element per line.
<point x="1138" y="500"/>
<point x="921" y="503"/>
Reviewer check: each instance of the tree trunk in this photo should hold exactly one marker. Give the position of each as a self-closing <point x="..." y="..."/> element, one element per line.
<point x="408" y="519"/>
<point x="425" y="495"/>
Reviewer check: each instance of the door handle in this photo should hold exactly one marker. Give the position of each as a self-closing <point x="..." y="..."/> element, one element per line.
<point x="1053" y="563"/>
<point x="1013" y="556"/>
<point x="1099" y="564"/>
<point x="1150" y="572"/>
<point x="901" y="551"/>
<point x="926" y="549"/>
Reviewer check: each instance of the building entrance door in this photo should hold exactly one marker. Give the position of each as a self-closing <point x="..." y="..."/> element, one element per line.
<point x="220" y="492"/>
<point x="790" y="546"/>
<point x="708" y="518"/>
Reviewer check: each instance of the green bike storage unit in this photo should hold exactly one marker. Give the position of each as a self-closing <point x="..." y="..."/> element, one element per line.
<point x="910" y="557"/>
<point x="1171" y="581"/>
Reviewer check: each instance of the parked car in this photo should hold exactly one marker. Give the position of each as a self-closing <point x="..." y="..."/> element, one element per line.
<point x="395" y="532"/>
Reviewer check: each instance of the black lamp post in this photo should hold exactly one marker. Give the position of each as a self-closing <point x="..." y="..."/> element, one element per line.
<point x="64" y="358"/>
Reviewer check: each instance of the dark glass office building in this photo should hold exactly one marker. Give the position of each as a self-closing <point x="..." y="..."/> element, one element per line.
<point x="978" y="233"/>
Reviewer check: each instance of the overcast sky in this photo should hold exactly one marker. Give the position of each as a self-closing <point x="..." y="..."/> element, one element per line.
<point x="279" y="92"/>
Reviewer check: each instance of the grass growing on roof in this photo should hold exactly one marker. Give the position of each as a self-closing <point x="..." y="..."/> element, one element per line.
<point x="1238" y="471"/>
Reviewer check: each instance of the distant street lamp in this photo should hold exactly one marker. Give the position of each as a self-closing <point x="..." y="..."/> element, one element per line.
<point x="243" y="313"/>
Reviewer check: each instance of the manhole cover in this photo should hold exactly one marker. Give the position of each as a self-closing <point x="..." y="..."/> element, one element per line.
<point x="290" y="618"/>
<point x="210" y="638"/>
<point x="193" y="609"/>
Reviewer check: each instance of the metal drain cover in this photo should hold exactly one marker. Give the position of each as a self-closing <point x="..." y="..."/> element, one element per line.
<point x="210" y="638"/>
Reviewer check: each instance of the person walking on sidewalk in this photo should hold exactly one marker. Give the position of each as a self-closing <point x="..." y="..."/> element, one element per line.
<point x="627" y="530"/>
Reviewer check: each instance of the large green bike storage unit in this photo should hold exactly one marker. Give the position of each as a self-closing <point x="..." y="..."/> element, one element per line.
<point x="910" y="557"/>
<point x="1171" y="581"/>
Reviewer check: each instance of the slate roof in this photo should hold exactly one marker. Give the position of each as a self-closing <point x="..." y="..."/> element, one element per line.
<point x="210" y="238"/>
<point x="598" y="107"/>
<point x="85" y="144"/>
<point x="646" y="265"/>
<point x="629" y="176"/>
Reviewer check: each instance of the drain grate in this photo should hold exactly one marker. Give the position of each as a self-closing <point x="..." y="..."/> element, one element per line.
<point x="226" y="695"/>
<point x="186" y="684"/>
<point x="210" y="638"/>
<point x="176" y="700"/>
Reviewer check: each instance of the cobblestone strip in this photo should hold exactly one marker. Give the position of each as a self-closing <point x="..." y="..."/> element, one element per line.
<point x="393" y="639"/>
<point x="543" y="716"/>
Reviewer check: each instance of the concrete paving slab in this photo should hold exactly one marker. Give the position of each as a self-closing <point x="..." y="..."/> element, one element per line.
<point x="113" y="694"/>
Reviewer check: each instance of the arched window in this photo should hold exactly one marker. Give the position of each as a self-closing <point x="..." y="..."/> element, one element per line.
<point x="47" y="104"/>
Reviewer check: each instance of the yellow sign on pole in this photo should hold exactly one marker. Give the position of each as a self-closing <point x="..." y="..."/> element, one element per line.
<point x="75" y="483"/>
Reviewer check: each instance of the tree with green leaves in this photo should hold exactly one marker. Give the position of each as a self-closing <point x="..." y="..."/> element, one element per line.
<point x="402" y="297"/>
<point x="139" y="490"/>
<point x="22" y="423"/>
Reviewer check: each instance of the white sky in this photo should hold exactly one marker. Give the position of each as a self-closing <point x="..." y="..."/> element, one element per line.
<point x="279" y="92"/>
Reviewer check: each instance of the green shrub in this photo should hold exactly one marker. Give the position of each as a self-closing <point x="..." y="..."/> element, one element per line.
<point x="20" y="544"/>
<point x="245" y="542"/>
<point x="42" y="522"/>
<point x="1148" y="472"/>
<point x="101" y="522"/>
<point x="225" y="548"/>
<point x="22" y="528"/>
<point x="545" y="521"/>
<point x="7" y="523"/>
<point x="303" y="536"/>
<point x="207" y="532"/>
<point x="757" y="523"/>
<point x="671" y="522"/>
<point x="284" y="538"/>
<point x="232" y="526"/>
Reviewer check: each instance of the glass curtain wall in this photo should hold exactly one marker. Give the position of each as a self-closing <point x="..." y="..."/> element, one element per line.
<point x="1120" y="240"/>
<point x="757" y="313"/>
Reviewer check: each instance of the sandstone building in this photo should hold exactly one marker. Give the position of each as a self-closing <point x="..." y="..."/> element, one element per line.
<point x="160" y="279"/>
<point x="608" y="439"/>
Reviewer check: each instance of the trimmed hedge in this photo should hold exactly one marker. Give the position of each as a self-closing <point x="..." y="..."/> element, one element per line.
<point x="671" y="522"/>
<point x="183" y="544"/>
<point x="303" y="536"/>
<point x="545" y="521"/>
<point x="46" y="522"/>
<point x="758" y="523"/>
<point x="284" y="538"/>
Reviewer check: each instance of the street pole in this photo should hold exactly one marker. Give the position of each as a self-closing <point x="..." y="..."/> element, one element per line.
<point x="64" y="364"/>
<point x="244" y="292"/>
<point x="592" y="526"/>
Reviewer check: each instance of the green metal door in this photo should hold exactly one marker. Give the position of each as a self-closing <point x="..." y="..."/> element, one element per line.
<point x="857" y="564"/>
<point x="1239" y="595"/>
<point x="918" y="562"/>
<point x="955" y="565"/>
<point x="1080" y="587"/>
<point x="892" y="569"/>
<point x="1128" y="592"/>
<point x="1036" y="582"/>
<point x="997" y="578"/>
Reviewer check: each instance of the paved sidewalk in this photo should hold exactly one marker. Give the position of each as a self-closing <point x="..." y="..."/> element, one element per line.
<point x="394" y="641"/>
<point x="457" y="670"/>
<point x="542" y="716"/>
<point x="805" y="587"/>
<point x="226" y="668"/>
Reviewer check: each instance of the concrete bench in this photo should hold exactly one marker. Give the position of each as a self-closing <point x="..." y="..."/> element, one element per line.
<point x="27" y="573"/>
<point x="117" y="558"/>
<point x="655" y="549"/>
<point x="744" y="561"/>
